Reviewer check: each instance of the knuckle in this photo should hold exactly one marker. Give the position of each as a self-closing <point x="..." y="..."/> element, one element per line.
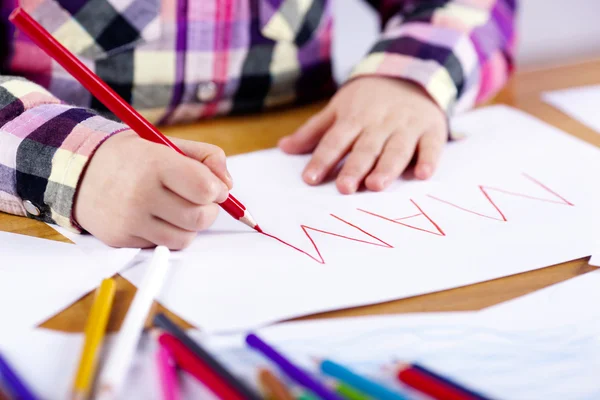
<point x="206" y="217"/>
<point x="134" y="197"/>
<point x="200" y="218"/>
<point x="153" y="164"/>
<point x="368" y="147"/>
<point x="428" y="150"/>
<point x="396" y="146"/>
<point x="352" y="121"/>
<point x="209" y="190"/>
<point x="176" y="240"/>
<point x="314" y="120"/>
<point x="407" y="120"/>
<point x="399" y="153"/>
<point x="219" y="153"/>
<point x="355" y="166"/>
<point x="329" y="142"/>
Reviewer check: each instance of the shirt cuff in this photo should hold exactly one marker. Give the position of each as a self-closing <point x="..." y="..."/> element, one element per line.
<point x="52" y="159"/>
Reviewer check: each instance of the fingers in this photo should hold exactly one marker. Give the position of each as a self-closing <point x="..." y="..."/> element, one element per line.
<point x="129" y="241"/>
<point x="183" y="214"/>
<point x="331" y="149"/>
<point x="210" y="155"/>
<point x="430" y="148"/>
<point x="305" y="139"/>
<point x="162" y="233"/>
<point x="396" y="156"/>
<point x="192" y="180"/>
<point x="362" y="158"/>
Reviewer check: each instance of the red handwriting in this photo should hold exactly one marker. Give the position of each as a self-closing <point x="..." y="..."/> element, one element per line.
<point x="436" y="229"/>
<point x="319" y="258"/>
<point x="486" y="189"/>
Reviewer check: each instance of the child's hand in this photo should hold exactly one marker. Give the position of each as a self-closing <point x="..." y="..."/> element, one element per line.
<point x="381" y="123"/>
<point x="139" y="194"/>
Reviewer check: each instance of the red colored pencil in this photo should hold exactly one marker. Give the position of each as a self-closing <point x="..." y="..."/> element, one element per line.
<point x="196" y="367"/>
<point x="432" y="385"/>
<point x="110" y="98"/>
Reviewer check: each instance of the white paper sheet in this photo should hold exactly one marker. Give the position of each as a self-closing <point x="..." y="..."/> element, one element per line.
<point x="39" y="278"/>
<point x="232" y="278"/>
<point x="595" y="259"/>
<point x="581" y="103"/>
<point x="543" y="345"/>
<point x="570" y="304"/>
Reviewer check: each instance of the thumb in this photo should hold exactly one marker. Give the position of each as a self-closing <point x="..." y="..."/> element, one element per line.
<point x="210" y="155"/>
<point x="306" y="138"/>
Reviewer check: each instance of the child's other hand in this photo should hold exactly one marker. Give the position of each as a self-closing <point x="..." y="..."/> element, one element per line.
<point x="140" y="194"/>
<point x="380" y="123"/>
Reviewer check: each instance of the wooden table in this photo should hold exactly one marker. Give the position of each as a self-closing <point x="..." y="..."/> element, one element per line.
<point x="244" y="134"/>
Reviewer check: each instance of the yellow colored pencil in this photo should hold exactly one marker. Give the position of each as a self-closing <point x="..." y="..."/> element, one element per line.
<point x="94" y="333"/>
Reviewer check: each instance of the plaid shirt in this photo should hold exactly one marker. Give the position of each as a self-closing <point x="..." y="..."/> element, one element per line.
<point x="182" y="60"/>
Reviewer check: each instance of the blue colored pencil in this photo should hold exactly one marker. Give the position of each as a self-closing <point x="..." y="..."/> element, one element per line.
<point x="293" y="372"/>
<point x="12" y="383"/>
<point x="359" y="382"/>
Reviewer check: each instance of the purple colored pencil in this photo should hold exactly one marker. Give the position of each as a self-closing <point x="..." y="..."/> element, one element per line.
<point x="11" y="382"/>
<point x="293" y="372"/>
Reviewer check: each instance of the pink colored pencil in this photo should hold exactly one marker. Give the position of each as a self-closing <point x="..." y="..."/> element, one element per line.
<point x="168" y="373"/>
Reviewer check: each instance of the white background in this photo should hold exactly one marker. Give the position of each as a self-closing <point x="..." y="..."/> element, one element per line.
<point x="551" y="32"/>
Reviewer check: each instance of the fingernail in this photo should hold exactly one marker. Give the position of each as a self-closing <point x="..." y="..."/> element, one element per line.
<point x="228" y="176"/>
<point x="282" y="141"/>
<point x="224" y="193"/>
<point x="312" y="176"/>
<point x="384" y="181"/>
<point x="349" y="183"/>
<point x="424" y="171"/>
<point x="380" y="181"/>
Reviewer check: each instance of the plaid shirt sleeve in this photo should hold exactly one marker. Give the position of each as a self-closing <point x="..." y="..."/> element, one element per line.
<point x="460" y="52"/>
<point x="44" y="149"/>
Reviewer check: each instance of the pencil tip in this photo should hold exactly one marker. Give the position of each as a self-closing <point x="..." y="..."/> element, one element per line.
<point x="258" y="229"/>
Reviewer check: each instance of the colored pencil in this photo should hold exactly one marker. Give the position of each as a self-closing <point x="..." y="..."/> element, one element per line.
<point x="167" y="370"/>
<point x="188" y="361"/>
<point x="295" y="373"/>
<point x="348" y="392"/>
<point x="358" y="382"/>
<point x="14" y="386"/>
<point x="433" y="384"/>
<point x="272" y="386"/>
<point x="163" y="322"/>
<point x="94" y="334"/>
<point x="121" y="354"/>
<point x="110" y="98"/>
<point x="306" y="396"/>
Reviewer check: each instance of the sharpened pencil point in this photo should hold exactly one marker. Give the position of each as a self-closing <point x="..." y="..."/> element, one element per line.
<point x="258" y="229"/>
